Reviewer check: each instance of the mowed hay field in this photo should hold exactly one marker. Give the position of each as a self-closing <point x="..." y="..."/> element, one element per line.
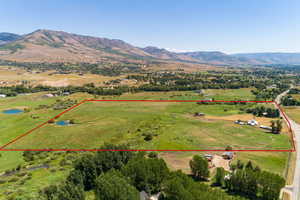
<point x="172" y="125"/>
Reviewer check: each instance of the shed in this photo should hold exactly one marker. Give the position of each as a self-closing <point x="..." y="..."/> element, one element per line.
<point x="266" y="127"/>
<point x="199" y="114"/>
<point x="48" y="95"/>
<point x="252" y="122"/>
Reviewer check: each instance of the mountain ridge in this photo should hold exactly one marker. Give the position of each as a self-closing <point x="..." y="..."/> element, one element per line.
<point x="45" y="45"/>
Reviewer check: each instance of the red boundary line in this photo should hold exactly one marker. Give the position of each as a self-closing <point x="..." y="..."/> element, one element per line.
<point x="2" y="148"/>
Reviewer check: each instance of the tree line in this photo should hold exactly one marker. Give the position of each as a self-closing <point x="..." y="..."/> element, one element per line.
<point x="122" y="175"/>
<point x="289" y="101"/>
<point x="262" y="111"/>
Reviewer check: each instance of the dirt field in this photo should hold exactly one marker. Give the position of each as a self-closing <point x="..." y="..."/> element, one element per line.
<point x="180" y="161"/>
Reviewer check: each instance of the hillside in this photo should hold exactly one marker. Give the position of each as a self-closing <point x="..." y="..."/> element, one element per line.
<point x="216" y="57"/>
<point x="8" y="37"/>
<point x="272" y="58"/>
<point x="58" y="46"/>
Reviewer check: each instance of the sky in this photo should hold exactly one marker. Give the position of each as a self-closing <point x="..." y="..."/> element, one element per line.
<point x="231" y="26"/>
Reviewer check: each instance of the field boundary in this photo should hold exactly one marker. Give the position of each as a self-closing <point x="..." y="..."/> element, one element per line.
<point x="283" y="114"/>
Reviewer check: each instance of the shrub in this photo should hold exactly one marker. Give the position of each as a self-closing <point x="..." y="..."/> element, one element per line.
<point x="13" y="179"/>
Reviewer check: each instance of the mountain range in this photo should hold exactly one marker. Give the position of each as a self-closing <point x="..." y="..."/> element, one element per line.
<point x="58" y="46"/>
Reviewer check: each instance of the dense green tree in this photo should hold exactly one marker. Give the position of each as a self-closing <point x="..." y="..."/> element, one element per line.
<point x="239" y="165"/>
<point x="65" y="191"/>
<point x="199" y="167"/>
<point x="276" y="126"/>
<point x="219" y="177"/>
<point x="270" y="185"/>
<point x="249" y="165"/>
<point x="115" y="158"/>
<point x="153" y="155"/>
<point x="254" y="183"/>
<point x="179" y="186"/>
<point x="112" y="185"/>
<point x="75" y="177"/>
<point x="146" y="174"/>
<point x="87" y="167"/>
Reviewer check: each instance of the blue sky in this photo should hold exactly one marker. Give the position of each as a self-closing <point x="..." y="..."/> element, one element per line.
<point x="231" y="26"/>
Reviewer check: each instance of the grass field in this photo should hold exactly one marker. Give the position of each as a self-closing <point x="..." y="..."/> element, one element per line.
<point x="172" y="126"/>
<point x="293" y="112"/>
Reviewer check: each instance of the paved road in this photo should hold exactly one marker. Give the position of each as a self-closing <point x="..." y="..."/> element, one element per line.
<point x="294" y="189"/>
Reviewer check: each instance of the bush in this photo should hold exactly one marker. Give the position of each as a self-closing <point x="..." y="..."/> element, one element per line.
<point x="13" y="179"/>
<point x="63" y="162"/>
<point x="52" y="170"/>
<point x="21" y="174"/>
<point x="153" y="155"/>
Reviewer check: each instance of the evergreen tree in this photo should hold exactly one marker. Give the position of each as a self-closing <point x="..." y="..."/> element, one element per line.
<point x="87" y="167"/>
<point x="249" y="165"/>
<point x="219" y="177"/>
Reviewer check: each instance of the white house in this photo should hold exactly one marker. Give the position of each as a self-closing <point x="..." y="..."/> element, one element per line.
<point x="2" y="95"/>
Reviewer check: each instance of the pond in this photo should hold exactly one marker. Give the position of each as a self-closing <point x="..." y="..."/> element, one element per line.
<point x="63" y="123"/>
<point x="12" y="111"/>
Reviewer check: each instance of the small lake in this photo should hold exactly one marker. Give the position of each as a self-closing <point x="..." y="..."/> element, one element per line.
<point x="63" y="123"/>
<point x="12" y="111"/>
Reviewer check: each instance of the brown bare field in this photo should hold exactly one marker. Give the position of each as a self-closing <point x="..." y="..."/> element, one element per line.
<point x="187" y="67"/>
<point x="14" y="76"/>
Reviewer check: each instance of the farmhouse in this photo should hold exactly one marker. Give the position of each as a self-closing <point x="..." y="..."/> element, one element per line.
<point x="227" y="155"/>
<point x="209" y="157"/>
